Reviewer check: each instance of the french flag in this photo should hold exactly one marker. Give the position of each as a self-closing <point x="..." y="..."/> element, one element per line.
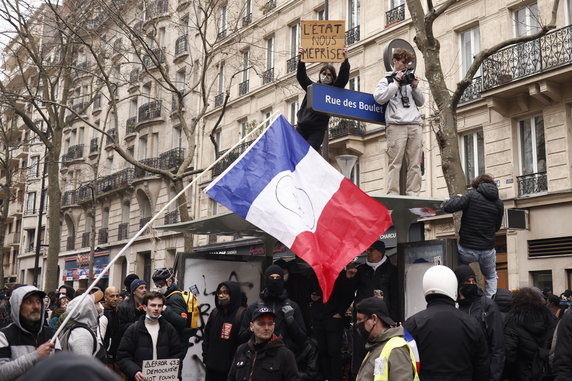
<point x="287" y="189"/>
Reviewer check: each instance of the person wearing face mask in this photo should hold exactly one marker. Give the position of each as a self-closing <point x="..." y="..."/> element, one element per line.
<point x="152" y="337"/>
<point x="220" y="336"/>
<point x="312" y="125"/>
<point x="289" y="322"/>
<point x="472" y="300"/>
<point x="389" y="356"/>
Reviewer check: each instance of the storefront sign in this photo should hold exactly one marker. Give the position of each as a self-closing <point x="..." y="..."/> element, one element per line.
<point x="323" y="40"/>
<point x="77" y="266"/>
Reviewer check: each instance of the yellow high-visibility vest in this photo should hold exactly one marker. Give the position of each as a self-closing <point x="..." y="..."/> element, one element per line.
<point x="381" y="370"/>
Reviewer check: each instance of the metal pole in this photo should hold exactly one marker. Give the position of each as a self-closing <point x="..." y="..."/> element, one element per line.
<point x="39" y="227"/>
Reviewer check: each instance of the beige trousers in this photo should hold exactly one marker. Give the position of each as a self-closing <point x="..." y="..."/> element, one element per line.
<point x="404" y="139"/>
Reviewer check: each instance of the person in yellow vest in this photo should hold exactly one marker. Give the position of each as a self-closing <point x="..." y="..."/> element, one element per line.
<point x="389" y="358"/>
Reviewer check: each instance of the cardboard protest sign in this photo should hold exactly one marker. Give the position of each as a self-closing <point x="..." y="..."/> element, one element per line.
<point x="323" y="40"/>
<point x="164" y="370"/>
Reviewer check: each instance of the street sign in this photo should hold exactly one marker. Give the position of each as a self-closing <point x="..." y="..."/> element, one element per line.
<point x="344" y="103"/>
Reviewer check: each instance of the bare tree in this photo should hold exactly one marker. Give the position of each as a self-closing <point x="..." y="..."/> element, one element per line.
<point x="447" y="100"/>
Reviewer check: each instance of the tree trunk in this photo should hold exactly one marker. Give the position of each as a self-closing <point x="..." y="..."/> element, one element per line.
<point x="54" y="214"/>
<point x="3" y="219"/>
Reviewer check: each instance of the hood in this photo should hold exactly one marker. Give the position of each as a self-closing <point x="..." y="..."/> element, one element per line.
<point x="384" y="336"/>
<point x="534" y="319"/>
<point x="503" y="299"/>
<point x="85" y="313"/>
<point x="16" y="299"/>
<point x="235" y="295"/>
<point x="70" y="292"/>
<point x="489" y="191"/>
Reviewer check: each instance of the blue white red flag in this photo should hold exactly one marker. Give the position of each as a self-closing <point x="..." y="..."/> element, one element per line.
<point x="287" y="189"/>
<point x="413" y="345"/>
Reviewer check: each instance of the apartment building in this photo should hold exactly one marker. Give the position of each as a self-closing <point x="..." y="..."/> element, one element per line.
<point x="514" y="122"/>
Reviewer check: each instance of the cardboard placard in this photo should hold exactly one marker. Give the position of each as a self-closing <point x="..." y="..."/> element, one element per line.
<point x="323" y="40"/>
<point x="164" y="369"/>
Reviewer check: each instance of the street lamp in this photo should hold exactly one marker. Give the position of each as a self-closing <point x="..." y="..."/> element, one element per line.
<point x="346" y="164"/>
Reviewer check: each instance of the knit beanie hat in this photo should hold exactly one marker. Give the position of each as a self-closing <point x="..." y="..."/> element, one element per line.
<point x="464" y="272"/>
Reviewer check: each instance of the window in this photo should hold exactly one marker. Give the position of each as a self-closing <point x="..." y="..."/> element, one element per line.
<point x="31" y="203"/>
<point x="542" y="279"/>
<point x="353" y="13"/>
<point x="221" y="78"/>
<point x="354" y="175"/>
<point x="270" y="53"/>
<point x="354" y="83"/>
<point x="245" y="65"/>
<point x="470" y="45"/>
<point x="293" y="107"/>
<point x="181" y="80"/>
<point x="295" y="39"/>
<point x="569" y="13"/>
<point x="532" y="148"/>
<point x="143" y="147"/>
<point x="34" y="166"/>
<point x="155" y="144"/>
<point x="247" y="17"/>
<point x="222" y="24"/>
<point x="526" y="21"/>
<point x="177" y="137"/>
<point x="395" y="3"/>
<point x="321" y="14"/>
<point x="473" y="155"/>
<point x="265" y="116"/>
<point x="214" y="207"/>
<point x="243" y="128"/>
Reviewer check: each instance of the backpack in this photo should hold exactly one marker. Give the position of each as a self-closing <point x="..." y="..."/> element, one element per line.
<point x="64" y="336"/>
<point x="192" y="308"/>
<point x="384" y="106"/>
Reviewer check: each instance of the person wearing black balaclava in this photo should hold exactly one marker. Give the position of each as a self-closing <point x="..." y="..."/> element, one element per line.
<point x="289" y="322"/>
<point x="472" y="300"/>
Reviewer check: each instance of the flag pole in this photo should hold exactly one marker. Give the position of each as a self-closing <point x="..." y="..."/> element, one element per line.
<point x="153" y="218"/>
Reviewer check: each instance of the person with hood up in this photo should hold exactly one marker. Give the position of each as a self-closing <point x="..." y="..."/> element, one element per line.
<point x="66" y="290"/>
<point x="312" y="125"/>
<point x="26" y="340"/>
<point x="482" y="217"/>
<point x="389" y="356"/>
<point x="472" y="301"/>
<point x="264" y="357"/>
<point x="289" y="323"/>
<point x="528" y="335"/>
<point x="220" y="336"/>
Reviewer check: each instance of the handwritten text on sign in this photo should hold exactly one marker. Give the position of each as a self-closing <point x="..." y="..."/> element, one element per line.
<point x="161" y="370"/>
<point x="323" y="40"/>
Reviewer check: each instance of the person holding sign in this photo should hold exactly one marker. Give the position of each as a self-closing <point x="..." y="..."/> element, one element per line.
<point x="400" y="90"/>
<point x="150" y="338"/>
<point x="312" y="125"/>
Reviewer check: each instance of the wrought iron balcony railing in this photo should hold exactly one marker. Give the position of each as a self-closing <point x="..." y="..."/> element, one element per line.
<point x="123" y="231"/>
<point x="115" y="181"/>
<point x="84" y="194"/>
<point x="268" y="76"/>
<point x="103" y="236"/>
<point x="243" y="88"/>
<point x="143" y="221"/>
<point x="156" y="56"/>
<point x="150" y="110"/>
<point x="181" y="45"/>
<point x="532" y="184"/>
<point x="344" y="127"/>
<point x="153" y="162"/>
<point x="292" y="64"/>
<point x="93" y="145"/>
<point x="156" y="9"/>
<point x="29" y="211"/>
<point x="172" y="158"/>
<point x="229" y="159"/>
<point x="528" y="58"/>
<point x="472" y="92"/>
<point x="130" y="125"/>
<point x="172" y="217"/>
<point x="219" y="100"/>
<point x="69" y="198"/>
<point x="74" y="152"/>
<point x="70" y="242"/>
<point x="352" y="36"/>
<point x="395" y="15"/>
<point x="246" y="20"/>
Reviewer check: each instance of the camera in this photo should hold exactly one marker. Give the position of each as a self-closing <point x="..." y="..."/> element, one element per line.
<point x="408" y="76"/>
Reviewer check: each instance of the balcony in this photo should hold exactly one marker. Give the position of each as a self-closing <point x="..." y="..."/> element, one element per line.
<point x="246" y="20"/>
<point x="243" y="88"/>
<point x="134" y="76"/>
<point x="143" y="221"/>
<point x="29" y="211"/>
<point x="172" y="217"/>
<point x="70" y="243"/>
<point x="528" y="58"/>
<point x="118" y="180"/>
<point x="339" y="128"/>
<point x="93" y="145"/>
<point x="181" y="46"/>
<point x="84" y="194"/>
<point x="130" y="125"/>
<point x="270" y="5"/>
<point x="172" y="158"/>
<point x="111" y="136"/>
<point x="103" y="236"/>
<point x="268" y="76"/>
<point x="80" y="107"/>
<point x="153" y="162"/>
<point x="473" y="92"/>
<point x="219" y="100"/>
<point x="395" y="15"/>
<point x="532" y="184"/>
<point x="352" y="36"/>
<point x="85" y="239"/>
<point x="157" y="9"/>
<point x="156" y="57"/>
<point x="150" y="110"/>
<point x="123" y="231"/>
<point x="229" y="159"/>
<point x="81" y="69"/>
<point x="74" y="153"/>
<point x="292" y="64"/>
<point x="69" y="198"/>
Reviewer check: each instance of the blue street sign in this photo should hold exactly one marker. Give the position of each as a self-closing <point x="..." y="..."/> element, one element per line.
<point x="344" y="103"/>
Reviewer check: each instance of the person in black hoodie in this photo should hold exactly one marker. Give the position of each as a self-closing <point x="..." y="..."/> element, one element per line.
<point x="482" y="217"/>
<point x="472" y="301"/>
<point x="264" y="357"/>
<point x="528" y="334"/>
<point x="312" y="125"/>
<point x="220" y="337"/>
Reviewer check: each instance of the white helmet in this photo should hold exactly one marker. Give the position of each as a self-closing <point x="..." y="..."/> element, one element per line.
<point x="440" y="280"/>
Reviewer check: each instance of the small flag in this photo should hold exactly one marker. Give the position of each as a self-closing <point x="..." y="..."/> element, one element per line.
<point x="413" y="345"/>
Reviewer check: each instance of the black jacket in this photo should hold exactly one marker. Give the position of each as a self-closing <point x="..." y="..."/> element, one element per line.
<point x="112" y="334"/>
<point x="451" y="343"/>
<point x="220" y="336"/>
<point x="384" y="278"/>
<point x="528" y="333"/>
<point x="176" y="314"/>
<point x="338" y="303"/>
<point x="136" y="346"/>
<point x="293" y="335"/>
<point x="128" y="313"/>
<point x="482" y="216"/>
<point x="485" y="311"/>
<point x="309" y="120"/>
<point x="269" y="362"/>
<point x="562" y="366"/>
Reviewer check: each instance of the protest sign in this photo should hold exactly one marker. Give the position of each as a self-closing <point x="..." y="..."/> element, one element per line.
<point x="323" y="40"/>
<point x="163" y="370"/>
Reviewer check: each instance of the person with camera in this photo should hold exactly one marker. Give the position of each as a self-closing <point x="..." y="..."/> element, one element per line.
<point x="400" y="90"/>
